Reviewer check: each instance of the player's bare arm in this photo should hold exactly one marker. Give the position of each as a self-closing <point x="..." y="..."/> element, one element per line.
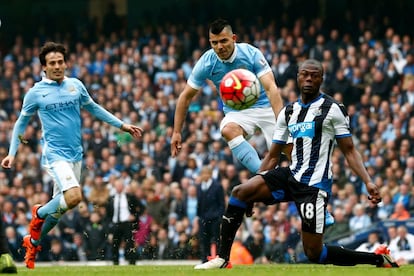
<point x="271" y="159"/>
<point x="183" y="103"/>
<point x="272" y="92"/>
<point x="355" y="163"/>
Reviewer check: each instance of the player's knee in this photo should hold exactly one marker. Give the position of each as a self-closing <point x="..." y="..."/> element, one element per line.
<point x="235" y="192"/>
<point x="315" y="255"/>
<point x="312" y="256"/>
<point x="73" y="197"/>
<point x="231" y="130"/>
<point x="240" y="192"/>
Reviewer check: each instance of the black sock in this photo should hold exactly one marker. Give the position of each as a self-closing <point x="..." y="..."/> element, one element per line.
<point x="341" y="256"/>
<point x="232" y="220"/>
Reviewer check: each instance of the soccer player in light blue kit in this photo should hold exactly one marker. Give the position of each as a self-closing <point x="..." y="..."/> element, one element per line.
<point x="57" y="100"/>
<point x="237" y="125"/>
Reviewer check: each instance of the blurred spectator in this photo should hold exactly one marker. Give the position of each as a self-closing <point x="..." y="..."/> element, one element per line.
<point x="386" y="207"/>
<point x="57" y="252"/>
<point x="391" y="234"/>
<point x="341" y="226"/>
<point x="68" y="225"/>
<point x="239" y="254"/>
<point x="158" y="247"/>
<point x="14" y="241"/>
<point x="99" y="193"/>
<point x="157" y="207"/>
<point x="8" y="215"/>
<point x="124" y="210"/>
<point x="182" y="249"/>
<point x="210" y="215"/>
<point x="143" y="233"/>
<point x="275" y="249"/>
<point x="255" y="242"/>
<point x="360" y="220"/>
<point x="94" y="242"/>
<point x="400" y="213"/>
<point x="78" y="248"/>
<point x="191" y="203"/>
<point x="402" y="196"/>
<point x="177" y="204"/>
<point x="402" y="247"/>
<point x="371" y="244"/>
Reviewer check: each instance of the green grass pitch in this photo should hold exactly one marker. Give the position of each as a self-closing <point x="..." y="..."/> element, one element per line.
<point x="250" y="270"/>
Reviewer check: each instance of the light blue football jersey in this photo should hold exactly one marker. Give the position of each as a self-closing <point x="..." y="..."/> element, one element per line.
<point x="245" y="56"/>
<point x="59" y="109"/>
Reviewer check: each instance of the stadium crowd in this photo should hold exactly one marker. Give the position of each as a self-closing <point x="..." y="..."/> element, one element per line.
<point x="137" y="75"/>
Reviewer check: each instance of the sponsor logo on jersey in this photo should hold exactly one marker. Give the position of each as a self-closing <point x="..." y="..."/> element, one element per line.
<point x="62" y="105"/>
<point x="304" y="129"/>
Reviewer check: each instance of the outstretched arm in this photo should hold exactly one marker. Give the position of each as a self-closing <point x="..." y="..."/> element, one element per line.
<point x="17" y="138"/>
<point x="104" y="115"/>
<point x="181" y="108"/>
<point x="355" y="163"/>
<point x="271" y="159"/>
<point x="269" y="84"/>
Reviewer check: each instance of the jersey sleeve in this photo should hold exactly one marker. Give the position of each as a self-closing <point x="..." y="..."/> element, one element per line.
<point x="281" y="133"/>
<point x="85" y="98"/>
<point x="261" y="66"/>
<point x="198" y="76"/>
<point x="30" y="104"/>
<point x="340" y="121"/>
<point x="29" y="108"/>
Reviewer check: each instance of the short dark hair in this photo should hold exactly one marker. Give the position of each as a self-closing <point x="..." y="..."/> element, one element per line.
<point x="313" y="62"/>
<point x="218" y="25"/>
<point x="51" y="47"/>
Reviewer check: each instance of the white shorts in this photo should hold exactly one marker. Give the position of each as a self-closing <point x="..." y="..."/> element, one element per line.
<point x="65" y="175"/>
<point x="252" y="118"/>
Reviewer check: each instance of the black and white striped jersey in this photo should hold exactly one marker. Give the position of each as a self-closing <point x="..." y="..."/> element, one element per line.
<point x="313" y="129"/>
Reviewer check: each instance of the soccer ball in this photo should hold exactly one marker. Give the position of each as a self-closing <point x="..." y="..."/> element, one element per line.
<point x="239" y="89"/>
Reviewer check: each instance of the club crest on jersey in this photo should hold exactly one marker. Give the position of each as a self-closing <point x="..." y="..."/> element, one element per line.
<point x="317" y="112"/>
<point x="304" y="129"/>
<point x="72" y="89"/>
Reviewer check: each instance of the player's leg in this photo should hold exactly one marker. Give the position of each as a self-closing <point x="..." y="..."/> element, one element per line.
<point x="311" y="203"/>
<point x="234" y="127"/>
<point x="67" y="194"/>
<point x="318" y="252"/>
<point x="254" y="190"/>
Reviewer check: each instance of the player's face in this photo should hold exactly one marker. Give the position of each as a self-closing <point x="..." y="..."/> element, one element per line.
<point x="223" y="43"/>
<point x="55" y="66"/>
<point x="309" y="80"/>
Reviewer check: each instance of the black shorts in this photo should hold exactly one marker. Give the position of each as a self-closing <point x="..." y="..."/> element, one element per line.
<point x="310" y="201"/>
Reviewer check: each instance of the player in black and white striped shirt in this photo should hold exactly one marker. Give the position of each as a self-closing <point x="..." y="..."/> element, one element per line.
<point x="313" y="123"/>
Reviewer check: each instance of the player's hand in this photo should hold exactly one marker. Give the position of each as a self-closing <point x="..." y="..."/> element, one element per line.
<point x="175" y="144"/>
<point x="7" y="162"/>
<point x="373" y="193"/>
<point x="135" y="131"/>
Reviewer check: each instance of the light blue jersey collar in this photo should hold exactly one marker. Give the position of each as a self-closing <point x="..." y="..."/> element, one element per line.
<point x="49" y="81"/>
